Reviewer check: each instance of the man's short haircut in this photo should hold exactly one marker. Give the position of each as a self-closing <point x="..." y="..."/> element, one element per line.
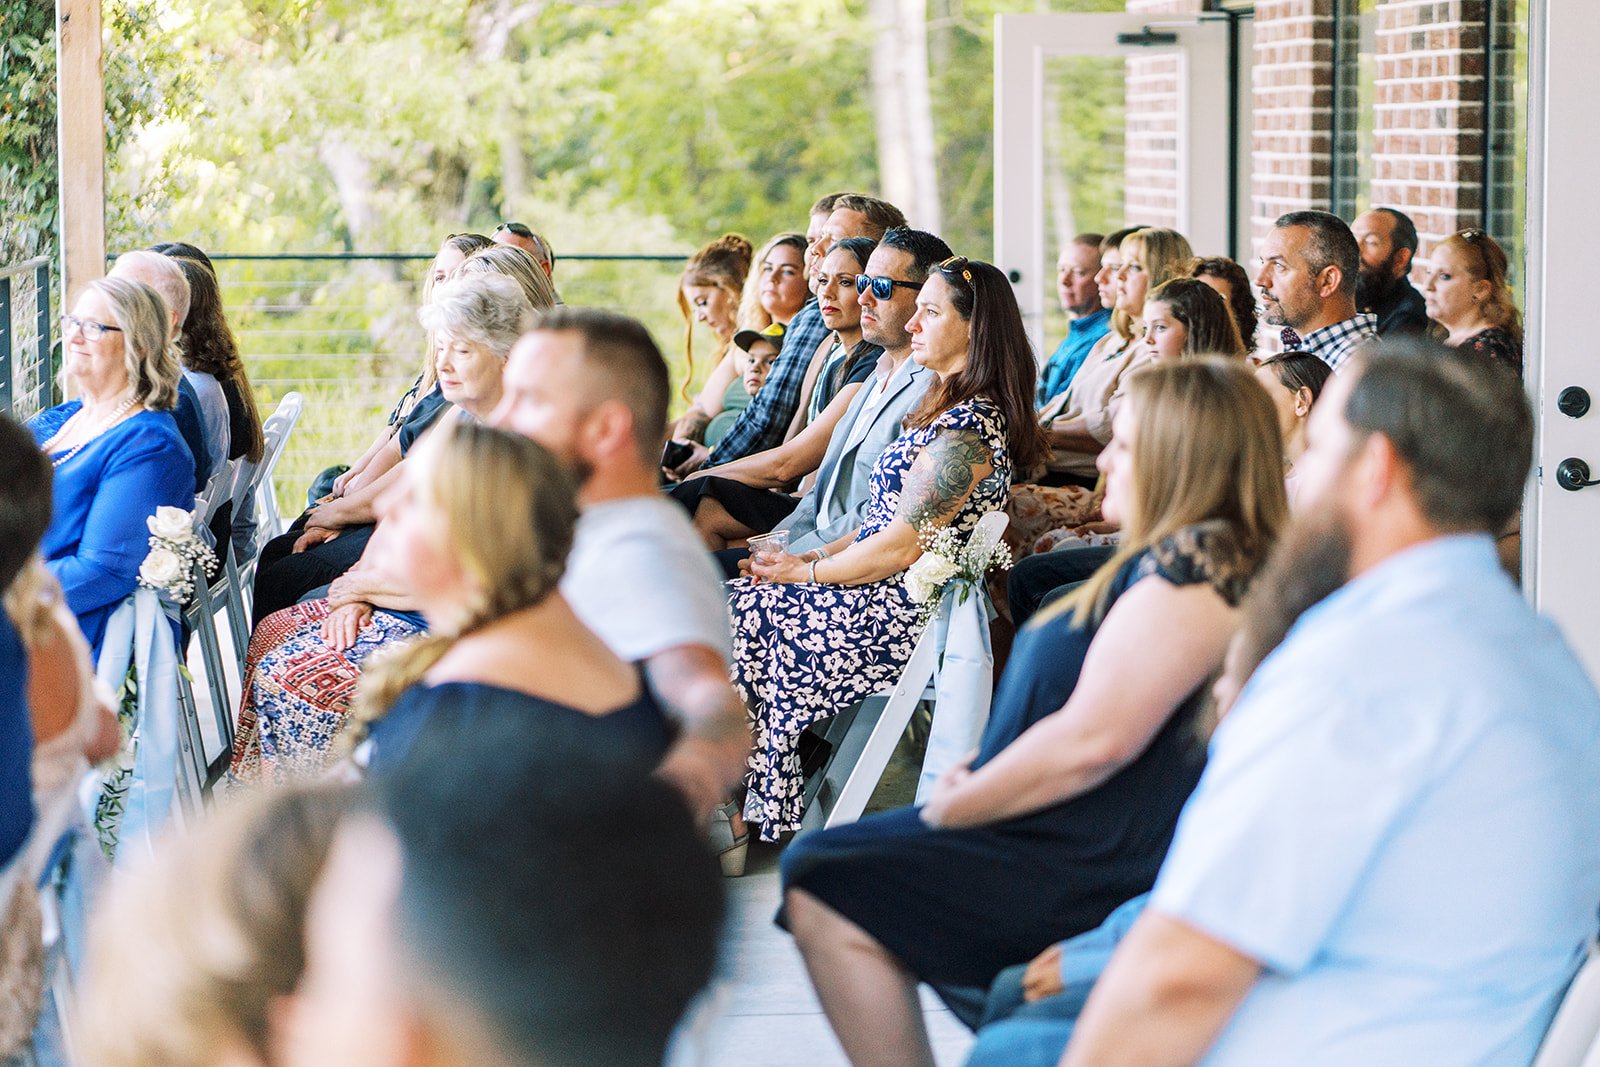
<point x="927" y="251"/>
<point x="1405" y="231"/>
<point x="824" y="204"/>
<point x="881" y="215"/>
<point x="566" y="902"/>
<point x="25" y="477"/>
<point x="1461" y="424"/>
<point x="1089" y="239"/>
<point x="162" y="274"/>
<point x="1331" y="245"/>
<point x="628" y="365"/>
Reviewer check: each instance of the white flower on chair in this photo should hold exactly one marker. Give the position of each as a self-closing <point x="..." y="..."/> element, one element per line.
<point x="928" y="575"/>
<point x="171" y="524"/>
<point x="947" y="560"/>
<point x="161" y="567"/>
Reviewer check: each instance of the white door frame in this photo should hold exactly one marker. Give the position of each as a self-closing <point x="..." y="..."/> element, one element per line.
<point x="1561" y="528"/>
<point x="1022" y="43"/>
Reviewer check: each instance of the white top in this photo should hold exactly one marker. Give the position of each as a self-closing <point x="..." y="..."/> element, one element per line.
<point x="640" y="577"/>
<point x="1399" y="821"/>
<point x="213" y="415"/>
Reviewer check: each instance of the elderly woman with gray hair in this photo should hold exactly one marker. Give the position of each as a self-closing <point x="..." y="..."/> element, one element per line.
<point x="304" y="659"/>
<point x="116" y="450"/>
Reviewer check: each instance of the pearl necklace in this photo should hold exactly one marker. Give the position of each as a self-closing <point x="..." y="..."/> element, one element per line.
<point x="106" y="424"/>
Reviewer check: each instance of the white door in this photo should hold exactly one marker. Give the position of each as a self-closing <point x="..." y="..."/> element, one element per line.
<point x="1042" y="64"/>
<point x="1561" y="527"/>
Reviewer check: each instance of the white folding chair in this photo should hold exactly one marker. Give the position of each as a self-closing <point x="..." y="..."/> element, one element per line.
<point x="864" y="750"/>
<point x="276" y="430"/>
<point x="1573" y="1039"/>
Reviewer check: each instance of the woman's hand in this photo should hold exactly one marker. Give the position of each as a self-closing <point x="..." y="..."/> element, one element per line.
<point x="1043" y="977"/>
<point x="946" y="789"/>
<point x="344" y="590"/>
<point x="343" y="626"/>
<point x="781" y="568"/>
<point x="313" y="536"/>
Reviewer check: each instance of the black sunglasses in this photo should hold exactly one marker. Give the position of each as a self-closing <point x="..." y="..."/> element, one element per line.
<point x="515" y="228"/>
<point x="883" y="288"/>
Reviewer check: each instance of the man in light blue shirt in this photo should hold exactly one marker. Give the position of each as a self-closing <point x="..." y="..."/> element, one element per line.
<point x="1394" y="854"/>
<point x="1080" y="299"/>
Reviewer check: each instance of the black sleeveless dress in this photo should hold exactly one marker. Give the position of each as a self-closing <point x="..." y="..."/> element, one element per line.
<point x="958" y="906"/>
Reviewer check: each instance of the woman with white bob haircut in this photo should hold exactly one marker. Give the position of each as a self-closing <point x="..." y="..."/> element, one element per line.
<point x="304" y="659"/>
<point x="116" y="450"/>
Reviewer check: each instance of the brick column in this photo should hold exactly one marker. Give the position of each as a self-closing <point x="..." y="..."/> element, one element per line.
<point x="1153" y="97"/>
<point x="1292" y="87"/>
<point x="1432" y="92"/>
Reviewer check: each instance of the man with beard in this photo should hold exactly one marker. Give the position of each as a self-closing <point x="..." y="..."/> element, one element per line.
<point x="1089" y="321"/>
<point x="1388" y="242"/>
<point x="1394" y="853"/>
<point x="1309" y="264"/>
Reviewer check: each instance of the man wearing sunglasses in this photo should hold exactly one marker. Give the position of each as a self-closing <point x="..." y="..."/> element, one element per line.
<point x="517" y="235"/>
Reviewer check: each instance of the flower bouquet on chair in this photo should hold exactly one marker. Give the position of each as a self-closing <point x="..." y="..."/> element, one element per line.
<point x="175" y="548"/>
<point x="947" y="562"/>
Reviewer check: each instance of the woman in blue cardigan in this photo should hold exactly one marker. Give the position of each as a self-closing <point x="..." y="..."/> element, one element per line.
<point x="116" y="450"/>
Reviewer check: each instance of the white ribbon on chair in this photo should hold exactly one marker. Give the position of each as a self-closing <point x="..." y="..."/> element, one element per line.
<point x="963" y="684"/>
<point x="140" y="632"/>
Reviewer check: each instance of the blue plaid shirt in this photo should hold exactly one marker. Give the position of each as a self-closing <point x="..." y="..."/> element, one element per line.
<point x="1337" y="343"/>
<point x="761" y="425"/>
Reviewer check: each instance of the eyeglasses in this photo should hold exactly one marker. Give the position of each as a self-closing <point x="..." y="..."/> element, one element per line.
<point x="957" y="265"/>
<point x="91" y="330"/>
<point x="883" y="288"/>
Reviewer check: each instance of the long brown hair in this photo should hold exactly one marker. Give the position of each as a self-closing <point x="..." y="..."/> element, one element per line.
<point x="1486" y="262"/>
<point x="1205" y="446"/>
<point x="723" y="264"/>
<point x="1000" y="362"/>
<point x="1207" y="321"/>
<point x="208" y="345"/>
<point x="508" y="511"/>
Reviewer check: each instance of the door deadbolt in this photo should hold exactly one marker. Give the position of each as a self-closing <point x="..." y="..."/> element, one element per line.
<point x="1573" y="402"/>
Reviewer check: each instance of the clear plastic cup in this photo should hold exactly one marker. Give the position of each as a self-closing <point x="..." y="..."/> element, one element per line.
<point x="769" y="546"/>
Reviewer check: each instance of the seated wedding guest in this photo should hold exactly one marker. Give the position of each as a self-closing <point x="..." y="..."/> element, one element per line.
<point x="1468" y="295"/>
<point x="1388" y="242"/>
<point x="517" y="265"/>
<point x="1309" y="264"/>
<point x="1187" y="317"/>
<point x="484" y="565"/>
<point x="116" y="450"/>
<point x="498" y="904"/>
<point x="1294" y="381"/>
<point x="486" y="314"/>
<point x="816" y="222"/>
<point x="194" y="954"/>
<point x="1233" y="285"/>
<point x="814" y="633"/>
<point x="1079" y="421"/>
<point x="1090" y="750"/>
<point x="758" y="348"/>
<point x="207" y="346"/>
<point x="304" y="658"/>
<point x="778" y="285"/>
<point x="1419" y="725"/>
<point x="764" y="423"/>
<point x="1087" y="319"/>
<point x="709" y="291"/>
<point x="591" y="387"/>
<point x="421" y="403"/>
<point x="202" y="410"/>
<point x="842" y="360"/>
<point x="24" y="518"/>
<point x="752" y="495"/>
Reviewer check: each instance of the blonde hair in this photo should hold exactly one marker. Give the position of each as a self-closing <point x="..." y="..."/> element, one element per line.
<point x="520" y="266"/>
<point x="149" y="353"/>
<point x="723" y="264"/>
<point x="752" y="316"/>
<point x="1486" y="262"/>
<point x="188" y="951"/>
<point x="507" y="509"/>
<point x="31" y="600"/>
<point x="1205" y="446"/>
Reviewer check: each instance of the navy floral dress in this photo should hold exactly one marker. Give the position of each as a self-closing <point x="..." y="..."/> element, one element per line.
<point x="803" y="652"/>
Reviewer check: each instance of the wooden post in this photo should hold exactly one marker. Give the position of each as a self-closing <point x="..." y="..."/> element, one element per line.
<point x="81" y="122"/>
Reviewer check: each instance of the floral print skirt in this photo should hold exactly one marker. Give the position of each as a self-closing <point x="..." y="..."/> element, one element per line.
<point x="802" y="653"/>
<point x="297" y="691"/>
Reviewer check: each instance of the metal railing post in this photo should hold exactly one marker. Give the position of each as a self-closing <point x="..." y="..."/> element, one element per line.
<point x="41" y="295"/>
<point x="6" y="371"/>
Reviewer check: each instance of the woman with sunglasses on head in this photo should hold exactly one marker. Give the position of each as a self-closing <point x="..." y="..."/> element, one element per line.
<point x="1467" y="293"/>
<point x="815" y="633"/>
<point x="116" y="449"/>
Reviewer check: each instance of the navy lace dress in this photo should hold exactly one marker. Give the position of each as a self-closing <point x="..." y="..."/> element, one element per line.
<point x="803" y="652"/>
<point x="958" y="906"/>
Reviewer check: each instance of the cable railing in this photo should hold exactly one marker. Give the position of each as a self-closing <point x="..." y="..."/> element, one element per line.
<point x="26" y="367"/>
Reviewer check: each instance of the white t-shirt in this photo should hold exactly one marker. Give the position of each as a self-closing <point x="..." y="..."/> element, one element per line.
<point x="640" y="577"/>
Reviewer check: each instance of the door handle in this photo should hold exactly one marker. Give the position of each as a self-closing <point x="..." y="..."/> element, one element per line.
<point x="1573" y="474"/>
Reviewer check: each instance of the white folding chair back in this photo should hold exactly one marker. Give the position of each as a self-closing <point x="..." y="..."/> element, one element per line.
<point x="1571" y="1040"/>
<point x="864" y="751"/>
<point x="276" y="430"/>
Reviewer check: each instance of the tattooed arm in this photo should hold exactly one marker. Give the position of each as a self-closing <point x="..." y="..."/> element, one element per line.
<point x="939" y="482"/>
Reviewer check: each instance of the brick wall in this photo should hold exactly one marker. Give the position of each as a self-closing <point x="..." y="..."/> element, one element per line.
<point x="1154" y="96"/>
<point x="1292" y="94"/>
<point x="1430" y="114"/>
